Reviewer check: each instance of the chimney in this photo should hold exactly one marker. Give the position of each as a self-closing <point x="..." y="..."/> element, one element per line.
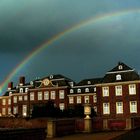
<point x="10" y="85"/>
<point x="22" y="80"/>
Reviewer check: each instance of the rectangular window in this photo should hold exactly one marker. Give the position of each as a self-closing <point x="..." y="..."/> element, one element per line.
<point x="25" y="98"/>
<point x="15" y="99"/>
<point x="3" y="101"/>
<point x="3" y="111"/>
<point x="94" y="98"/>
<point x="118" y="90"/>
<point x="61" y="94"/>
<point x="32" y="96"/>
<point x="61" y="106"/>
<point x="24" y="110"/>
<point x="78" y="99"/>
<point x="46" y="95"/>
<point x="86" y="99"/>
<point x="71" y="100"/>
<point x="20" y="98"/>
<point x="53" y="95"/>
<point x="105" y="91"/>
<point x="39" y="95"/>
<point x="133" y="106"/>
<point x="9" y="110"/>
<point x="132" y="89"/>
<point x="119" y="107"/>
<point x="9" y="101"/>
<point x="15" y="110"/>
<point x="106" y="108"/>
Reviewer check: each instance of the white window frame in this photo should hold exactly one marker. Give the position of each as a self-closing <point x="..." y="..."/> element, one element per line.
<point x="53" y="95"/>
<point x="26" y="90"/>
<point x="78" y="90"/>
<point x="71" y="100"/>
<point x="118" y="90"/>
<point x="71" y="91"/>
<point x="86" y="89"/>
<point x="20" y="90"/>
<point x="20" y="98"/>
<point x="46" y="95"/>
<point x="62" y="106"/>
<point x="32" y="96"/>
<point x="133" y="106"/>
<point x="118" y="77"/>
<point x="119" y="107"/>
<point x="15" y="99"/>
<point x="94" y="98"/>
<point x="79" y="100"/>
<point x="9" y="110"/>
<point x="86" y="99"/>
<point x="132" y="89"/>
<point x="105" y="91"/>
<point x="61" y="94"/>
<point x="39" y="96"/>
<point x="106" y="108"/>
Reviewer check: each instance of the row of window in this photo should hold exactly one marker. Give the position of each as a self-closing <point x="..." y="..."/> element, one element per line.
<point x="119" y="107"/>
<point x="79" y="90"/>
<point x="79" y="99"/>
<point x="24" y="109"/>
<point x="40" y="96"/>
<point x="118" y="90"/>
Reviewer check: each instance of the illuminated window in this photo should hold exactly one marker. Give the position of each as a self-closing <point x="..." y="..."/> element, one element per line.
<point x="61" y="106"/>
<point x="61" y="94"/>
<point x="9" y="101"/>
<point x="71" y="100"/>
<point x="15" y="110"/>
<point x="133" y="106"/>
<point x="118" y="77"/>
<point x="20" y="98"/>
<point x="15" y="99"/>
<point x="25" y="98"/>
<point x="79" y="90"/>
<point x="32" y="96"/>
<point x="119" y="107"/>
<point x="87" y="90"/>
<point x="3" y="101"/>
<point x="39" y="95"/>
<point x="3" y="111"/>
<point x="46" y="95"/>
<point x="78" y="99"/>
<point x="132" y="89"/>
<point x="94" y="98"/>
<point x="118" y="90"/>
<point x="86" y="99"/>
<point x="105" y="91"/>
<point x="24" y="110"/>
<point x="9" y="110"/>
<point x="106" y="108"/>
<point x="53" y="95"/>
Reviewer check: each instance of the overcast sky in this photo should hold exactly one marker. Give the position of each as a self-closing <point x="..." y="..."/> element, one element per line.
<point x="88" y="52"/>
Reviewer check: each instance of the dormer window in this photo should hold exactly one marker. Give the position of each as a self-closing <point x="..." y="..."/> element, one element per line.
<point x="71" y="84"/>
<point x="26" y="90"/>
<point x="87" y="90"/>
<point x="21" y="90"/>
<point x="120" y="67"/>
<point x="79" y="90"/>
<point x="89" y="82"/>
<point x="118" y="77"/>
<point x="71" y="90"/>
<point x="51" y="76"/>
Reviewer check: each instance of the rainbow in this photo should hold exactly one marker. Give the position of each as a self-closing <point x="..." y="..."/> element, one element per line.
<point x="90" y="21"/>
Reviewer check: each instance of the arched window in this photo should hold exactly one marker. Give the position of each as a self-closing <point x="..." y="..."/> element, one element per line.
<point x="79" y="90"/>
<point x="87" y="90"/>
<point x="118" y="77"/>
<point x="71" y="90"/>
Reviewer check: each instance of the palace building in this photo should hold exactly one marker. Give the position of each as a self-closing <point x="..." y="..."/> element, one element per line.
<point x="114" y="96"/>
